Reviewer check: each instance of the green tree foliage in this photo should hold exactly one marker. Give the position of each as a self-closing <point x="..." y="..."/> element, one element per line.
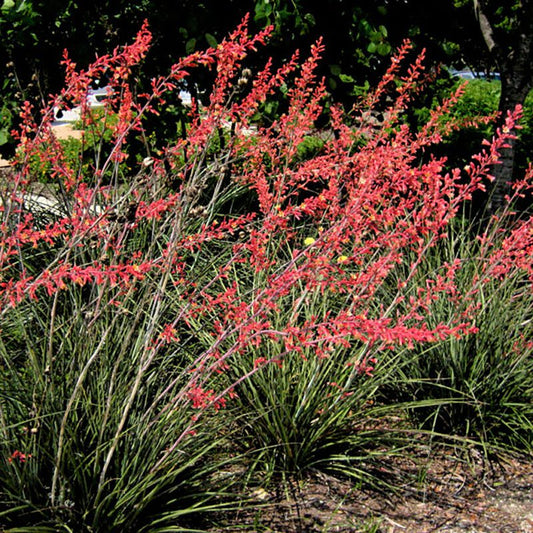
<point x="484" y="35"/>
<point x="17" y="21"/>
<point x="34" y="34"/>
<point x="355" y="35"/>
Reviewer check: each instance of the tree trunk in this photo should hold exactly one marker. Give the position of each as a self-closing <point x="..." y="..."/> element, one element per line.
<point x="515" y="87"/>
<point x="513" y="59"/>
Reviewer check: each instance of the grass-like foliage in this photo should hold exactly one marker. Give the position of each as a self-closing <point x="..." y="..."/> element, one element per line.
<point x="298" y="412"/>
<point x="478" y="385"/>
<point x="235" y="290"/>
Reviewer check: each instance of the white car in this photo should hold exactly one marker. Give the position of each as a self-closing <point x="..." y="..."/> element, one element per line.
<point x="95" y="99"/>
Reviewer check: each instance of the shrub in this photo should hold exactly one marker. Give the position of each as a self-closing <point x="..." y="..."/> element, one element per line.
<point x="477" y="386"/>
<point x="136" y="309"/>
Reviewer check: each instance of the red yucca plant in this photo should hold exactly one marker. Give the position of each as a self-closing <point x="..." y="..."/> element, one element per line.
<point x="129" y="297"/>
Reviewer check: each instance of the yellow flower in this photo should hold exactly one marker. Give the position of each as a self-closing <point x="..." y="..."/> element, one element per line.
<point x="342" y="258"/>
<point x="308" y="241"/>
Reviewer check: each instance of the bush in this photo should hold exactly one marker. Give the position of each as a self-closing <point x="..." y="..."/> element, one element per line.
<point x="146" y="302"/>
<point x="297" y="412"/>
<point x="477" y="386"/>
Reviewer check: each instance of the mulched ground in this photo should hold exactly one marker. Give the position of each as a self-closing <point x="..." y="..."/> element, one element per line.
<point x="445" y="493"/>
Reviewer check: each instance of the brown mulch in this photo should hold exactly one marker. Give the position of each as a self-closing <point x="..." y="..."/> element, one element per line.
<point x="442" y="494"/>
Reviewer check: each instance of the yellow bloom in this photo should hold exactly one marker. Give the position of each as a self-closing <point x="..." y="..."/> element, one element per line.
<point x="308" y="241"/>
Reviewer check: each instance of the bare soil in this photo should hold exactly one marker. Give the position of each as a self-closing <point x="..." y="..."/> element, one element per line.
<point x="66" y="131"/>
<point x="442" y="494"/>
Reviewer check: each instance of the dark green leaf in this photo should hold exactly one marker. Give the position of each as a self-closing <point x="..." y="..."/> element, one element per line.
<point x="211" y="41"/>
<point x="383" y="49"/>
<point x="190" y="46"/>
<point x="335" y="70"/>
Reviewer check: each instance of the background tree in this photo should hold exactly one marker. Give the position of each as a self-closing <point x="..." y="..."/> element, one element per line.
<point x="34" y="34"/>
<point x="355" y="34"/>
<point x="486" y="36"/>
<point x="507" y="31"/>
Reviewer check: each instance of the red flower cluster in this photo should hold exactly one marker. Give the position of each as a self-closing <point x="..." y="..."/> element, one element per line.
<point x="18" y="456"/>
